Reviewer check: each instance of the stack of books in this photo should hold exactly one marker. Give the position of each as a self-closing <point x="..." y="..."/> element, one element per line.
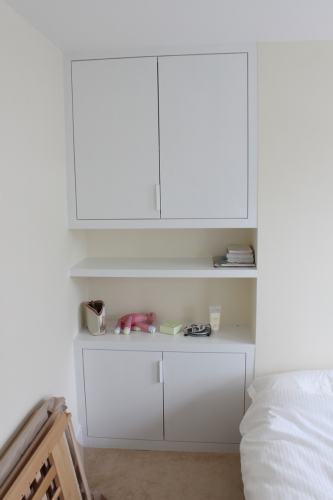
<point x="236" y="256"/>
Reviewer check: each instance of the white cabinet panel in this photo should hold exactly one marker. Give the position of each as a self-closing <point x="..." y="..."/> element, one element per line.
<point x="115" y="127"/>
<point x="124" y="397"/>
<point x="203" y="396"/>
<point x="203" y="104"/>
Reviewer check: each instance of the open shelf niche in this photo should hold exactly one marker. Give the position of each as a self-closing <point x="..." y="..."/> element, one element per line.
<point x="127" y="269"/>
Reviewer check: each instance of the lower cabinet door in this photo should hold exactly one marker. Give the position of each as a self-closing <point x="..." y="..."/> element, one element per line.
<point x="203" y="396"/>
<point x="124" y="395"/>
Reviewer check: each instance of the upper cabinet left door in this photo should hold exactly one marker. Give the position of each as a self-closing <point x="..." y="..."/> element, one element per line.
<point x="115" y="129"/>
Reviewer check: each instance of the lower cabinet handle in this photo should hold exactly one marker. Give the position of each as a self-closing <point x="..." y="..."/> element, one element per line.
<point x="160" y="372"/>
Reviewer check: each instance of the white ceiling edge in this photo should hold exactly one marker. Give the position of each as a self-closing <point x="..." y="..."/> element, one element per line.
<point x="96" y="26"/>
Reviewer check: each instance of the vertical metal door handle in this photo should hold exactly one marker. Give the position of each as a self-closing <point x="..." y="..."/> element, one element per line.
<point x="160" y="372"/>
<point x="158" y="197"/>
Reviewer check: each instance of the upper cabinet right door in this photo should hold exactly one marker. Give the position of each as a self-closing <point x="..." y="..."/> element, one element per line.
<point x="204" y="160"/>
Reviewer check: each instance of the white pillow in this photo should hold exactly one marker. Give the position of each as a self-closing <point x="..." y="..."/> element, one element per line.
<point x="310" y="381"/>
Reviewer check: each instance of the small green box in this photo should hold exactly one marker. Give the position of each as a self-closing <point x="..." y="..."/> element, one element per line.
<point x="171" y="327"/>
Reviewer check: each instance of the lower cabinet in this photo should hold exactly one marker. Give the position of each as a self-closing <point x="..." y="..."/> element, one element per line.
<point x="184" y="397"/>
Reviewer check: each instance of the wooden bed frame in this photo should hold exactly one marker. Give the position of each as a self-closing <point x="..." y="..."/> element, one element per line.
<point x="49" y="473"/>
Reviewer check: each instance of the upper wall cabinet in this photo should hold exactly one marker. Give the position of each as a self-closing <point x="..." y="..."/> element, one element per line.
<point x="163" y="141"/>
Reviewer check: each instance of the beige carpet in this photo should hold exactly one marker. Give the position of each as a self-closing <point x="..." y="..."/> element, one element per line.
<point x="159" y="475"/>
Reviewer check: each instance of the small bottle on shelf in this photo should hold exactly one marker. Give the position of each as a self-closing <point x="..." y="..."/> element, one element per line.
<point x="215" y="317"/>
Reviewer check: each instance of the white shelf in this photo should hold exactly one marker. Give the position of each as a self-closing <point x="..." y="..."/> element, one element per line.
<point x="232" y="338"/>
<point x="156" y="268"/>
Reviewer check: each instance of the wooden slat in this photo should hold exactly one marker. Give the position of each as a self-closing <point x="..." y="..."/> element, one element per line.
<point x="27" y="454"/>
<point x="29" y="471"/>
<point x="79" y="460"/>
<point x="44" y="485"/>
<point x="57" y="492"/>
<point x="65" y="469"/>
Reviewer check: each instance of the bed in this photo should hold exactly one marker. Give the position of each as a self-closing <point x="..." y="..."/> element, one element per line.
<point x="287" y="437"/>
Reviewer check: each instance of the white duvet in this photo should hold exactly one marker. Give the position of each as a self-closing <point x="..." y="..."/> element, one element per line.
<point x="287" y="443"/>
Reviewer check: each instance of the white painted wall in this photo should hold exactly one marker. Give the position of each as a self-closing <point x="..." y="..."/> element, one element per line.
<point x="165" y="242"/>
<point x="38" y="302"/>
<point x="295" y="234"/>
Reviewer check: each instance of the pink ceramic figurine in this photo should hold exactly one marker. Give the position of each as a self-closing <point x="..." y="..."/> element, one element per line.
<point x="136" y="321"/>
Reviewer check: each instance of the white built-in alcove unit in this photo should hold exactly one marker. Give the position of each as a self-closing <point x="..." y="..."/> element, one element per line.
<point x="161" y="177"/>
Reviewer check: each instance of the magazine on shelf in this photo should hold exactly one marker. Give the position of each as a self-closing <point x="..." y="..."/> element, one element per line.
<point x="221" y="261"/>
